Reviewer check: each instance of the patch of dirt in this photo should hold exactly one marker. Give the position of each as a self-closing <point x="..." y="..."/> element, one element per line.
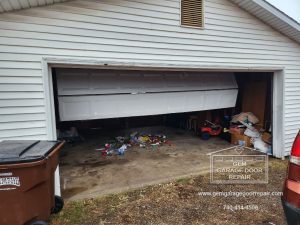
<point x="95" y="164"/>
<point x="180" y="202"/>
<point x="72" y="191"/>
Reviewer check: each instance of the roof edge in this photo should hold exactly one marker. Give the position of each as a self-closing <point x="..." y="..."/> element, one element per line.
<point x="272" y="16"/>
<point x="278" y="13"/>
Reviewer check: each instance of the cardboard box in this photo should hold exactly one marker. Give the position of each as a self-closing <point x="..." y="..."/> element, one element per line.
<point x="267" y="137"/>
<point x="236" y="130"/>
<point x="240" y="139"/>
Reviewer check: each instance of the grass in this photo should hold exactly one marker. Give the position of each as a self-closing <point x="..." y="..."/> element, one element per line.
<point x="178" y="202"/>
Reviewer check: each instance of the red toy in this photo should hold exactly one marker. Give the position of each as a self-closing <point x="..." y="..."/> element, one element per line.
<point x="210" y="129"/>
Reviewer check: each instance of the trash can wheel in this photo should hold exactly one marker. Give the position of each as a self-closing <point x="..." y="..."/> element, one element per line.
<point x="59" y="204"/>
<point x="39" y="223"/>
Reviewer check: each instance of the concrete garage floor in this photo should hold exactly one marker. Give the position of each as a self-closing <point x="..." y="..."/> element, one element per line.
<point x="86" y="174"/>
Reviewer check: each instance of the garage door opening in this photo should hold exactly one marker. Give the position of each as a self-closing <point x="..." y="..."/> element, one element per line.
<point x="93" y="107"/>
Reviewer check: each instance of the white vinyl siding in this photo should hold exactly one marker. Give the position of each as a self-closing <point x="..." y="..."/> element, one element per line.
<point x="11" y="5"/>
<point x="136" y="31"/>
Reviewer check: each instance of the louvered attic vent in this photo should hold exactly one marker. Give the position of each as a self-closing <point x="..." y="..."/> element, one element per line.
<point x="192" y="13"/>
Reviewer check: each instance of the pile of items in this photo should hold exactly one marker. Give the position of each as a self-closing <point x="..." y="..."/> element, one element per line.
<point x="245" y="131"/>
<point x="71" y="135"/>
<point x="120" y="144"/>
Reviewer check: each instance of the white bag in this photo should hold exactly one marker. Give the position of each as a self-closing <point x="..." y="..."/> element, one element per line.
<point x="259" y="144"/>
<point x="252" y="133"/>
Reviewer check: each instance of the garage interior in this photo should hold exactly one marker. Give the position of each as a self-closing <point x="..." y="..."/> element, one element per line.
<point x="96" y="107"/>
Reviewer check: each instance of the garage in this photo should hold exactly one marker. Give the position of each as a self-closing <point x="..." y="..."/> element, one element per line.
<point x="100" y="106"/>
<point x="112" y="68"/>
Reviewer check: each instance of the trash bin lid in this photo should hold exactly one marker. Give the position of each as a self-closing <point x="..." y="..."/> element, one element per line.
<point x="25" y="151"/>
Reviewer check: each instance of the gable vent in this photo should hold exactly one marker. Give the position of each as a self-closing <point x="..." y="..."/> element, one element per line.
<point x="192" y="13"/>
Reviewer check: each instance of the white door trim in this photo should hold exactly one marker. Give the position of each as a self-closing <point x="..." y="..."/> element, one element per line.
<point x="278" y="112"/>
<point x="278" y="87"/>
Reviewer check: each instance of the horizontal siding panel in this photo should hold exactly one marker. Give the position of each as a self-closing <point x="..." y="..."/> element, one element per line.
<point x="292" y="83"/>
<point x="150" y="36"/>
<point x="223" y="19"/>
<point x="291" y="133"/>
<point x="205" y="45"/>
<point x="289" y="142"/>
<point x="129" y="16"/>
<point x="22" y="117"/>
<point x="4" y="87"/>
<point x="97" y="50"/>
<point x="291" y="94"/>
<point x="20" y="95"/>
<point x="293" y="129"/>
<point x="23" y="125"/>
<point x="15" y="72"/>
<point x="146" y="17"/>
<point x="209" y="21"/>
<point x="213" y="28"/>
<point x="289" y="80"/>
<point x="21" y="110"/>
<point x="293" y="89"/>
<point x="118" y="9"/>
<point x="292" y="101"/>
<point x="144" y="27"/>
<point x="163" y="5"/>
<point x="293" y="107"/>
<point x="291" y="136"/>
<point x="21" y="102"/>
<point x="5" y="134"/>
<point x="288" y="146"/>
<point x="24" y="136"/>
<point x="142" y="5"/>
<point x="20" y="65"/>
<point x="292" y="119"/>
<point x="20" y="80"/>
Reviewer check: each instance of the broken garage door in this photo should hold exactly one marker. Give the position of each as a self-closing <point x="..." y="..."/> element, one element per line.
<point x="98" y="94"/>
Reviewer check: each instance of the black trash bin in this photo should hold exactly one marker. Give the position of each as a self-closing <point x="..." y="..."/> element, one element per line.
<point x="27" y="182"/>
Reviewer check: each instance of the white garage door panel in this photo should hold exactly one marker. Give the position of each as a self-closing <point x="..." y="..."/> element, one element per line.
<point x="94" y="82"/>
<point x="125" y="105"/>
<point x="98" y="94"/>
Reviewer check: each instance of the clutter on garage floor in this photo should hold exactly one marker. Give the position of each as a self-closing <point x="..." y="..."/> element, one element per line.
<point x="69" y="135"/>
<point x="85" y="173"/>
<point x="210" y="129"/>
<point x="120" y="144"/>
<point x="240" y="139"/>
<point x="267" y="137"/>
<point x="246" y="131"/>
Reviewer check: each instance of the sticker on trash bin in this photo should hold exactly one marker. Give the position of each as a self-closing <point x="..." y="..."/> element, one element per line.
<point x="10" y="181"/>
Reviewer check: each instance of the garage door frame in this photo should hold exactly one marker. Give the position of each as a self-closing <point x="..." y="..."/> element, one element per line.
<point x="278" y="87"/>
